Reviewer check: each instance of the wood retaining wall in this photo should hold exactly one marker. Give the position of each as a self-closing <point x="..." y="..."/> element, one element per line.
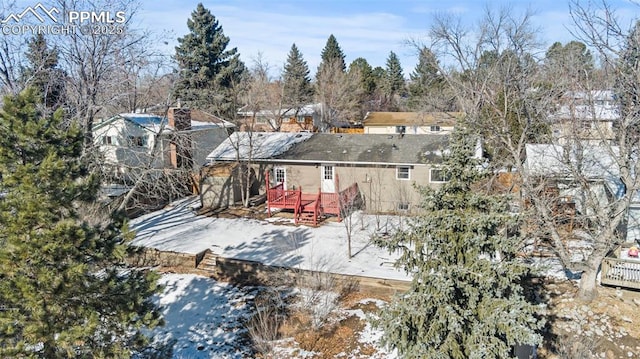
<point x="244" y="272"/>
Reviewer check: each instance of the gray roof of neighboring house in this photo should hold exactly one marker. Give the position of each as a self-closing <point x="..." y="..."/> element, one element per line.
<point x="368" y="148"/>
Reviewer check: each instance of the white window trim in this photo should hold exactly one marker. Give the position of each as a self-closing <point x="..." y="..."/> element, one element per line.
<point x="275" y="177"/>
<point x="408" y="173"/>
<point x="431" y="176"/>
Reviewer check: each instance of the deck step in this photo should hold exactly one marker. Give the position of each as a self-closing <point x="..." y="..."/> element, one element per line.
<point x="208" y="263"/>
<point x="307" y="218"/>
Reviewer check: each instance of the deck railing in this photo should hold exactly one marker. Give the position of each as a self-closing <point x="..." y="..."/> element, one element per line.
<point x="620" y="272"/>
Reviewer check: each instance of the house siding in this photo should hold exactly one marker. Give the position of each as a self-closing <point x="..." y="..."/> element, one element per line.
<point x="633" y="223"/>
<point x="409" y="130"/>
<point x="381" y="190"/>
<point x="121" y="152"/>
<point x="598" y="131"/>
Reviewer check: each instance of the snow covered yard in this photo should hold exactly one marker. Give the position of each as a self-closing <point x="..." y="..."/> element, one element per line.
<point x="177" y="228"/>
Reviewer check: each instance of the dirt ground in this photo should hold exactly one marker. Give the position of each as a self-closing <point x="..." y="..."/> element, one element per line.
<point x="608" y="327"/>
<point x="605" y="328"/>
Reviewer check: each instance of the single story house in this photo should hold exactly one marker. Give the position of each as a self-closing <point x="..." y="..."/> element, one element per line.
<point x="411" y="123"/>
<point x="385" y="168"/>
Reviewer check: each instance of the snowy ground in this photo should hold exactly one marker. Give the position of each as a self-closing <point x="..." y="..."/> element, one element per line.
<point x="205" y="319"/>
<point x="177" y="228"/>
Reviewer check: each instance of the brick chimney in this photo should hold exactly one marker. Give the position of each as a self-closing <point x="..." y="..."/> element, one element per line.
<point x="180" y="147"/>
<point x="179" y="118"/>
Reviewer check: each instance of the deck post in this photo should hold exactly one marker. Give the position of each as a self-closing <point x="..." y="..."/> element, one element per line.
<point x="296" y="208"/>
<point x="268" y="189"/>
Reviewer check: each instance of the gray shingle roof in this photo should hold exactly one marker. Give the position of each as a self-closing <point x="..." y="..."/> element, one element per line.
<point x="368" y="148"/>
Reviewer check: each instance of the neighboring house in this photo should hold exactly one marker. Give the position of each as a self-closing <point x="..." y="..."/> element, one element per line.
<point x="411" y="123"/>
<point x="574" y="176"/>
<point x="305" y="119"/>
<point x="385" y="168"/>
<point x="132" y="141"/>
<point x="585" y="116"/>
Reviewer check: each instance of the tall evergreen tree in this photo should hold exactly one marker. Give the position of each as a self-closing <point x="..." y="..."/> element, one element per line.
<point x="297" y="85"/>
<point x="43" y="73"/>
<point x="331" y="82"/>
<point x="426" y="84"/>
<point x="360" y="68"/>
<point x="64" y="292"/>
<point x="368" y="80"/>
<point x="208" y="70"/>
<point x="394" y="80"/>
<point x="572" y="61"/>
<point x="331" y="56"/>
<point x="466" y="298"/>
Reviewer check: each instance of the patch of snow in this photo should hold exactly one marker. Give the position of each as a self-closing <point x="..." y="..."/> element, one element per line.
<point x="288" y="348"/>
<point x="370" y="335"/>
<point x="203" y="318"/>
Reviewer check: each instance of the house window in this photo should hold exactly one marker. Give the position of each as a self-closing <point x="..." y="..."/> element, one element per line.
<point x="279" y="175"/>
<point x="403" y="206"/>
<point x="434" y="128"/>
<point x="261" y="119"/>
<point x="437" y="176"/>
<point x="328" y="173"/>
<point x="586" y="125"/>
<point x="401" y="129"/>
<point x="403" y="172"/>
<point x="301" y="119"/>
<point x="137" y="141"/>
<point x="108" y="140"/>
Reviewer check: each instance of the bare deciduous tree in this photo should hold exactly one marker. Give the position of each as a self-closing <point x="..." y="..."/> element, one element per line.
<point x="264" y="97"/>
<point x="96" y="63"/>
<point x="500" y="86"/>
<point x="339" y="94"/>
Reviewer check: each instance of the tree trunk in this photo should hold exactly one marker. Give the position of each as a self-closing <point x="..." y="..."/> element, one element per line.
<point x="587" y="290"/>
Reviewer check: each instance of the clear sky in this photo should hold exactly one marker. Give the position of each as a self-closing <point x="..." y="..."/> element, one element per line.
<point x="363" y="28"/>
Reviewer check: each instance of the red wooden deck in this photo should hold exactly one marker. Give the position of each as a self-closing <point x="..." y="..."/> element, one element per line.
<point x="309" y="207"/>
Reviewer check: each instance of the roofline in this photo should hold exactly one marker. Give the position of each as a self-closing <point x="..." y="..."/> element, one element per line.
<point x="166" y="128"/>
<point x="281" y="160"/>
<point x="117" y="117"/>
